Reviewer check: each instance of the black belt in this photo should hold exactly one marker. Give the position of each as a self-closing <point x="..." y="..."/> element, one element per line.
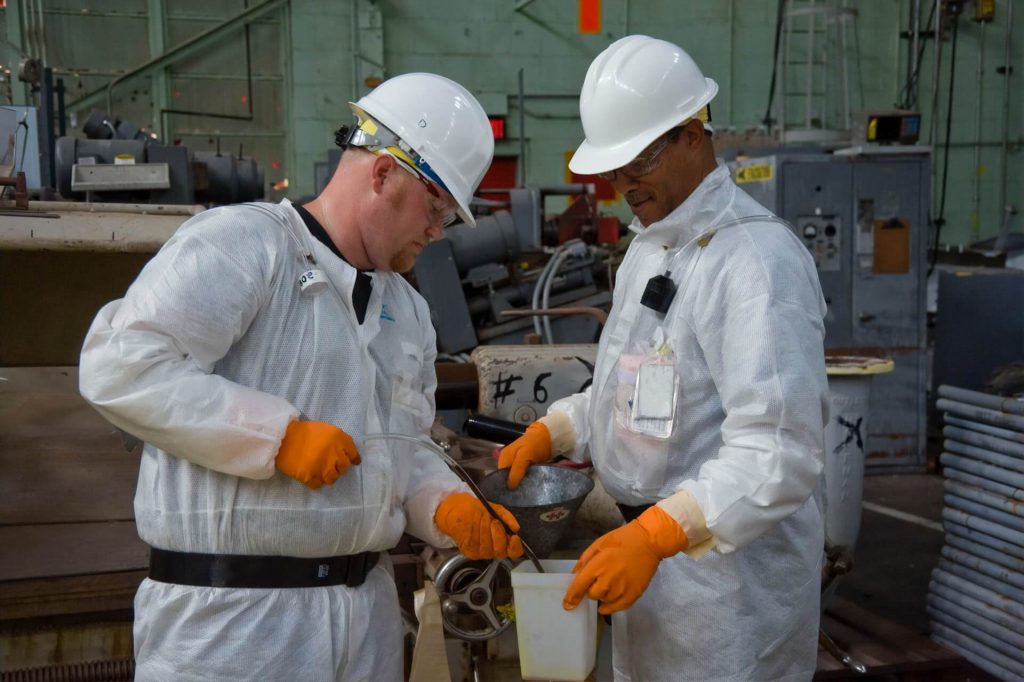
<point x="237" y="570"/>
<point x="629" y="513"/>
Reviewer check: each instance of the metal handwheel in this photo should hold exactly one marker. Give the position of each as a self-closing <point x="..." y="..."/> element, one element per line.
<point x="474" y="594"/>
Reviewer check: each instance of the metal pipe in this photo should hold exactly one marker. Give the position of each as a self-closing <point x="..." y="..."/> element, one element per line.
<point x="1009" y="577"/>
<point x="598" y="314"/>
<point x="983" y="455"/>
<point x="182" y="51"/>
<point x="355" y="50"/>
<point x="847" y="123"/>
<point x="545" y="300"/>
<point x="981" y="594"/>
<point x="915" y="30"/>
<point x="522" y="131"/>
<point x="983" y="526"/>
<point x="996" y="615"/>
<point x="1005" y="434"/>
<point x="983" y="539"/>
<point x="976" y="194"/>
<point x="810" y="68"/>
<point x="954" y="641"/>
<point x="42" y="32"/>
<point x="989" y="582"/>
<point x="1006" y="491"/>
<point x="987" y="553"/>
<point x="982" y="414"/>
<point x="992" y="402"/>
<point x="1005" y="520"/>
<point x="1008" y="636"/>
<point x="970" y="629"/>
<point x="1006" y="107"/>
<point x="985" y="497"/>
<point x="934" y="123"/>
<point x="982" y="440"/>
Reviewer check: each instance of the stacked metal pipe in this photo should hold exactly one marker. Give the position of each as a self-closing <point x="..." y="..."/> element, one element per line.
<point x="976" y="595"/>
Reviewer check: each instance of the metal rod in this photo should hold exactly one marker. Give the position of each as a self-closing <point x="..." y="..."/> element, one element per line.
<point x="993" y="402"/>
<point x="988" y="553"/>
<point x="958" y="585"/>
<point x="993" y="443"/>
<point x="982" y="414"/>
<point x="1009" y="492"/>
<point x="974" y="652"/>
<point x="1005" y="434"/>
<point x="467" y="479"/>
<point x="1007" y="66"/>
<point x="833" y="649"/>
<point x="984" y="455"/>
<point x="983" y="526"/>
<point x="974" y="576"/>
<point x="522" y="132"/>
<point x="976" y="188"/>
<point x="975" y="606"/>
<point x="971" y="630"/>
<point x="1008" y="521"/>
<point x="985" y="497"/>
<point x="982" y="565"/>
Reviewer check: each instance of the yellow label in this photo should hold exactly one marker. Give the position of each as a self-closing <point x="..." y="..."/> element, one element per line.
<point x="757" y="173"/>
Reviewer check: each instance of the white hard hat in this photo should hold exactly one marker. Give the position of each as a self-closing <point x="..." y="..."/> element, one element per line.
<point x="636" y="90"/>
<point x="442" y="123"/>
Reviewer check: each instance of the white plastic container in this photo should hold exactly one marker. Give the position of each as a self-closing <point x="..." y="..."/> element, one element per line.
<point x="554" y="644"/>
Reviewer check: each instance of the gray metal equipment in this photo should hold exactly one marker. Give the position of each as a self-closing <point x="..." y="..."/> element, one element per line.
<point x="473" y="275"/>
<point x="864" y="220"/>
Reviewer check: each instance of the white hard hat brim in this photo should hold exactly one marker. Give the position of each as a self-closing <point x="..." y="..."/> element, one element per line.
<point x="591" y="159"/>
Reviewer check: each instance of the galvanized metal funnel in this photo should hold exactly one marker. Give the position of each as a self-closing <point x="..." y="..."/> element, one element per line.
<point x="544" y="503"/>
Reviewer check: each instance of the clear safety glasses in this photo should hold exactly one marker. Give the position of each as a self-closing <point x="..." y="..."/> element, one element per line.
<point x="375" y="138"/>
<point x="646" y="161"/>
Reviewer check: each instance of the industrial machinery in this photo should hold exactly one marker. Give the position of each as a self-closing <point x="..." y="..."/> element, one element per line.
<point x="864" y="219"/>
<point x="476" y="279"/>
<point x="118" y="161"/>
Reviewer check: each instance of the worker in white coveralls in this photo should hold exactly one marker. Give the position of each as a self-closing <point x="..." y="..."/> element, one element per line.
<point x="705" y="419"/>
<point x="256" y="354"/>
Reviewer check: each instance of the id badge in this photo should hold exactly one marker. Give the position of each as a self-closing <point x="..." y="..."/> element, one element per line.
<point x="654" y="399"/>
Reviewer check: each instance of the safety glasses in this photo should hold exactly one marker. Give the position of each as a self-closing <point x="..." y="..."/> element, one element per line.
<point x="646" y="161"/>
<point x="440" y="210"/>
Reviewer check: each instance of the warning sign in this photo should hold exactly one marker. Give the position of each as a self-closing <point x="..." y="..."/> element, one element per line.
<point x="755" y="173"/>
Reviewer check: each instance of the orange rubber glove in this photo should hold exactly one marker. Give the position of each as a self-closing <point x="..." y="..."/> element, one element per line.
<point x="617" y="568"/>
<point x="477" y="534"/>
<point x="316" y="453"/>
<point x="533" y="447"/>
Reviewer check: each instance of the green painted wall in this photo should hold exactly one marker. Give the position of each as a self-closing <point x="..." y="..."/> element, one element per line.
<point x="484" y="44"/>
<point x="305" y="74"/>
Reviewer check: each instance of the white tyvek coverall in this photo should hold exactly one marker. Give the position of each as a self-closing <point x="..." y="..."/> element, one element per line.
<point x="747" y="332"/>
<point x="211" y="353"/>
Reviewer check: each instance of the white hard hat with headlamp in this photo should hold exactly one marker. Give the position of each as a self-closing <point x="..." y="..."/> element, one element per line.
<point x="638" y="89"/>
<point x="433" y="126"/>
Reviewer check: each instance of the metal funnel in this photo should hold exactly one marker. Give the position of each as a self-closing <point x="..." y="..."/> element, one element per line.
<point x="544" y="503"/>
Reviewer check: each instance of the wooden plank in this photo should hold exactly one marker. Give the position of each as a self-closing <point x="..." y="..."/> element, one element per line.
<point x="103" y="593"/>
<point x="916" y="646"/>
<point x="52" y="550"/>
<point x="60" y="461"/>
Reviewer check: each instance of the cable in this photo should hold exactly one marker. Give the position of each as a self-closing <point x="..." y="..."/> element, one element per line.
<point x="546" y="297"/>
<point x="779" y="18"/>
<point x="903" y="100"/>
<point x="949" y="126"/>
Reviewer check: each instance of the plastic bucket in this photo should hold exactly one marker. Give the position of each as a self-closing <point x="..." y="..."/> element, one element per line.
<point x="554" y="644"/>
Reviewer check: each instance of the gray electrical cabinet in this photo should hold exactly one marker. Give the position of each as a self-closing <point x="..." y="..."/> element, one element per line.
<point x="864" y="218"/>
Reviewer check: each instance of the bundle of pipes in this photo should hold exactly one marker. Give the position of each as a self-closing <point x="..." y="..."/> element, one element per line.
<point x="976" y="595"/>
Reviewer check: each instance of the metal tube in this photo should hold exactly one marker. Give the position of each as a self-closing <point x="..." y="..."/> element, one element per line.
<point x="976" y="606"/>
<point x="976" y="193"/>
<point x="983" y="526"/>
<point x="1011" y="637"/>
<point x="915" y="30"/>
<point x="934" y="124"/>
<point x="354" y="38"/>
<point x="989" y="582"/>
<point x="992" y="402"/>
<point x="1005" y="434"/>
<point x="970" y="628"/>
<point x="973" y="651"/>
<point x="522" y="132"/>
<point x="810" y="68"/>
<point x="983" y="455"/>
<point x="985" y="497"/>
<point x="982" y="414"/>
<point x="1006" y="107"/>
<point x="958" y="585"/>
<point x="984" y="566"/>
<point x="847" y="124"/>
<point x="185" y="49"/>
<point x="995" y="556"/>
<point x="1006" y="491"/>
<point x="993" y="443"/>
<point x="1004" y="548"/>
<point x="1008" y="521"/>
